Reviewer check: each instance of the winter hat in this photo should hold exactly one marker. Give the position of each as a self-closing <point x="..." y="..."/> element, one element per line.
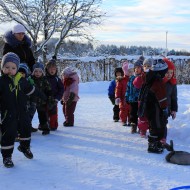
<point x="18" y="28"/>
<point x="148" y="62"/>
<point x="159" y="65"/>
<point x="130" y="66"/>
<point x="38" y="65"/>
<point x="10" y="57"/>
<point x="68" y="71"/>
<point x="139" y="62"/>
<point x="171" y="66"/>
<point x="118" y="69"/>
<point x="23" y="68"/>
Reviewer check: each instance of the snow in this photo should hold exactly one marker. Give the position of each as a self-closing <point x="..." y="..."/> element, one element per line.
<point x="97" y="153"/>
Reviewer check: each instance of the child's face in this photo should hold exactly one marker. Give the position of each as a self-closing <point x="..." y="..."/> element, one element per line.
<point x="146" y="68"/>
<point x="10" y="69"/>
<point x="138" y="70"/>
<point x="118" y="74"/>
<point x="130" y="72"/>
<point x="52" y="70"/>
<point x="38" y="73"/>
<point x="169" y="74"/>
<point x="23" y="74"/>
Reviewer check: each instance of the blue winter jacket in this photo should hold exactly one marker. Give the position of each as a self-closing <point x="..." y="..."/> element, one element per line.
<point x="111" y="88"/>
<point x="132" y="93"/>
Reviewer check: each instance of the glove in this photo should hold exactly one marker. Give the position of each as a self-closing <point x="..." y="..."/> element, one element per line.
<point x="71" y="98"/>
<point x="61" y="102"/>
<point x="117" y="101"/>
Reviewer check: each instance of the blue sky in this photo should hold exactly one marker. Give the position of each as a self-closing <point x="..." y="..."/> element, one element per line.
<point x="145" y="22"/>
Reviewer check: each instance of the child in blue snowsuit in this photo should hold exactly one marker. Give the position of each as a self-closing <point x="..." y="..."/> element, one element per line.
<point x="111" y="93"/>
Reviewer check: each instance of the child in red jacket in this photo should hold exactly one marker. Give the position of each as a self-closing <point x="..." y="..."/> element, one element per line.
<point x="121" y="85"/>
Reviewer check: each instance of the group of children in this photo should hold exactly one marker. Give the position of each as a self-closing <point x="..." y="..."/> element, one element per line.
<point x="22" y="94"/>
<point x="145" y="95"/>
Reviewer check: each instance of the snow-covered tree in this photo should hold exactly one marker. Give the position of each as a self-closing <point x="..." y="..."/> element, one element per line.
<point x="44" y="19"/>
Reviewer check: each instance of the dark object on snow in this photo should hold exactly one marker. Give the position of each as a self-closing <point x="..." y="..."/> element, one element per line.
<point x="169" y="147"/>
<point x="178" y="157"/>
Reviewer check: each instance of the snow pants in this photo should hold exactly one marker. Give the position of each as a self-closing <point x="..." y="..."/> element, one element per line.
<point x="124" y="113"/>
<point x="68" y="111"/>
<point x="53" y="117"/>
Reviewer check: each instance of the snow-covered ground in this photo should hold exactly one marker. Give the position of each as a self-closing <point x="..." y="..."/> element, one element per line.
<point x="98" y="154"/>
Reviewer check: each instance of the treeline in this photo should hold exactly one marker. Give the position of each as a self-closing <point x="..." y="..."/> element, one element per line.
<point x="71" y="48"/>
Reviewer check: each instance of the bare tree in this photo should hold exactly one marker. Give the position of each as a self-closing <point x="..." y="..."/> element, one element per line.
<point x="44" y="19"/>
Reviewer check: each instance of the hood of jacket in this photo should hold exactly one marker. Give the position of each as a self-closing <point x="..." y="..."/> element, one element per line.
<point x="10" y="39"/>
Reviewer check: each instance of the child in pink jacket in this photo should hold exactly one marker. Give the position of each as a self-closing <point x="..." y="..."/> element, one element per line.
<point x="70" y="97"/>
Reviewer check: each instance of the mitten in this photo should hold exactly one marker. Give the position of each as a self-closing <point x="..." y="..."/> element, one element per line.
<point x="117" y="101"/>
<point x="31" y="81"/>
<point x="71" y="98"/>
<point x="173" y="114"/>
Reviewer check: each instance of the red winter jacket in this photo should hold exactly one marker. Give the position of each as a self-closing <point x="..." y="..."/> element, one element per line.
<point x="121" y="87"/>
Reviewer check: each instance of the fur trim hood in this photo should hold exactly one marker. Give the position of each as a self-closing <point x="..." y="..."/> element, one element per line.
<point x="10" y="39"/>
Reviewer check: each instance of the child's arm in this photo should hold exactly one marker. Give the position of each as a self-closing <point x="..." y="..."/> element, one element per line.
<point x="174" y="105"/>
<point x="60" y="92"/>
<point x="111" y="91"/>
<point x="138" y="81"/>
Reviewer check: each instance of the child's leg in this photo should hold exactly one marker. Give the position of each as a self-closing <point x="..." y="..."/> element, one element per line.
<point x="25" y="135"/>
<point x="32" y="110"/>
<point x="133" y="116"/>
<point x="123" y="112"/>
<point x="24" y="130"/>
<point x="53" y="118"/>
<point x="43" y="119"/>
<point x="9" y="131"/>
<point x="69" y="113"/>
<point x="116" y="113"/>
<point x="156" y="128"/>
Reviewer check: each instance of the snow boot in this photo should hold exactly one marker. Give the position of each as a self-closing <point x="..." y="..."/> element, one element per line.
<point x="154" y="145"/>
<point x="8" y="163"/>
<point x="143" y="133"/>
<point x="68" y="125"/>
<point x="26" y="151"/>
<point x="124" y="124"/>
<point x="33" y="129"/>
<point x="133" y="128"/>
<point x="45" y="132"/>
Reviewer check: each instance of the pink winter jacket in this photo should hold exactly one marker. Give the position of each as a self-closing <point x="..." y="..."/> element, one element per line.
<point x="73" y="87"/>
